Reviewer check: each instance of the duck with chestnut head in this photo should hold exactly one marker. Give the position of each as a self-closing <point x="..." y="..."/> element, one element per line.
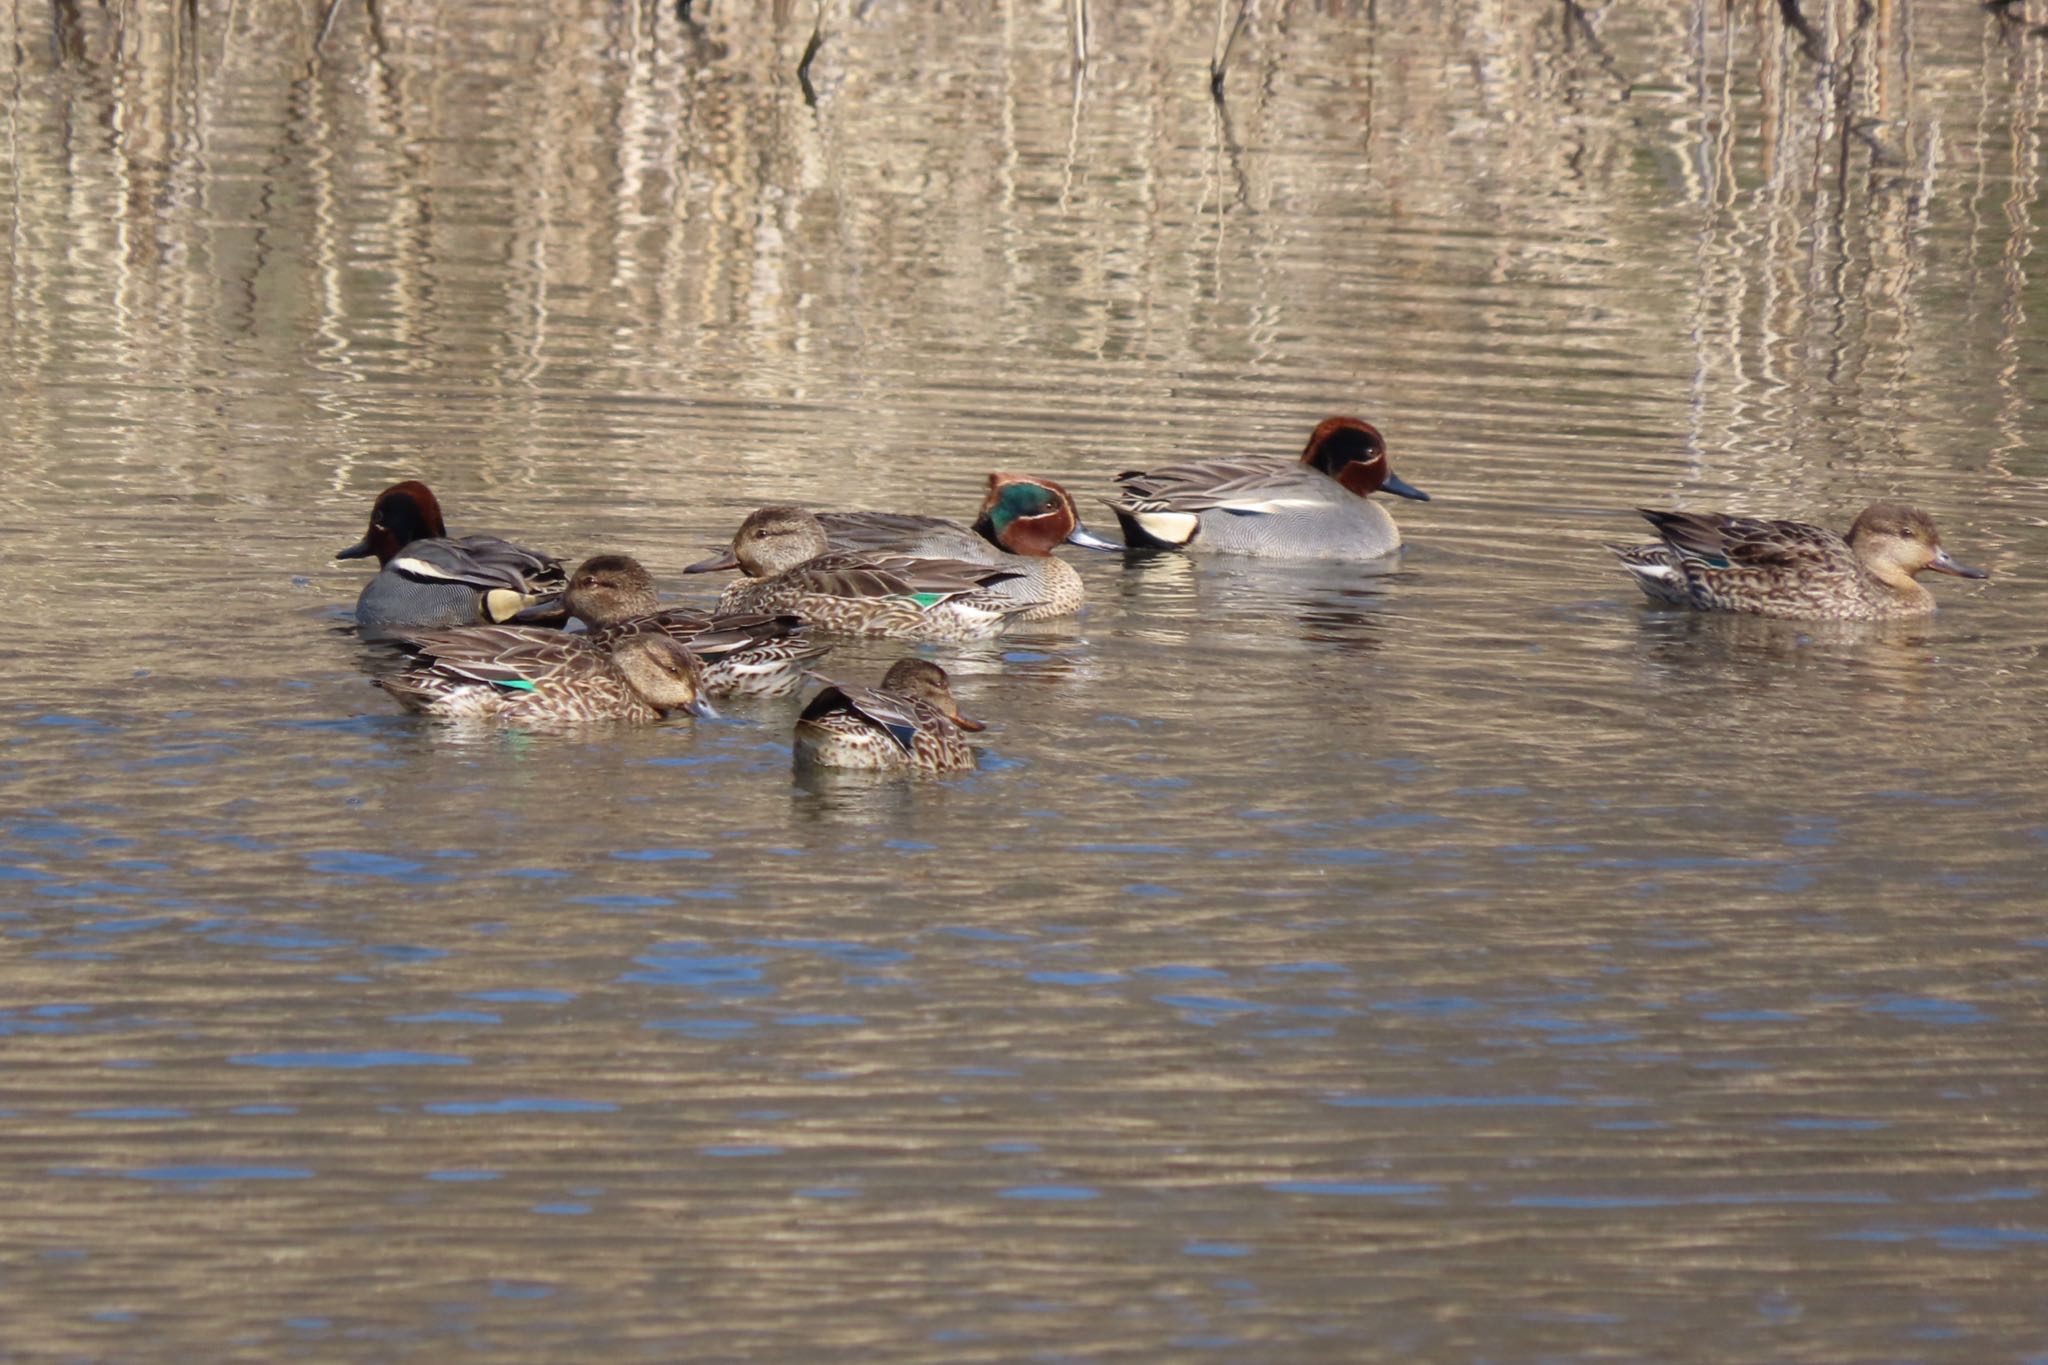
<point x="910" y="723"/>
<point x="428" y="579"/>
<point x="1022" y="520"/>
<point x="1714" y="562"/>
<point x="1318" y="506"/>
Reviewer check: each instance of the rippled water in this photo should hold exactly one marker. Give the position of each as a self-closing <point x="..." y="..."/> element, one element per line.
<point x="1460" y="961"/>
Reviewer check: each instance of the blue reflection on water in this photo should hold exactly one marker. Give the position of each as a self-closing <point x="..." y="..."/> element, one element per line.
<point x="1354" y="1188"/>
<point x="699" y="966"/>
<point x="519" y="1106"/>
<point x="1050" y="1193"/>
<point x="346" y="1061"/>
<point x="1928" y="1009"/>
<point x="220" y="1172"/>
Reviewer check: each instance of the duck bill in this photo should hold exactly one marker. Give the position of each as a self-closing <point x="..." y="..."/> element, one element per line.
<point x="360" y="550"/>
<point x="1943" y="562"/>
<point x="724" y="559"/>
<point x="969" y="723"/>
<point x="544" y="610"/>
<point x="1088" y="540"/>
<point x="1401" y="488"/>
<point x="702" y="709"/>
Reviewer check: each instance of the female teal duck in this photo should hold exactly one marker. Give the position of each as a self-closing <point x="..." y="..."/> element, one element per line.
<point x="519" y="674"/>
<point x="747" y="654"/>
<point x="1789" y="569"/>
<point x="429" y="579"/>
<point x="910" y="722"/>
<point x="791" y="568"/>
<point x="1021" y="520"/>
<point x="1315" y="507"/>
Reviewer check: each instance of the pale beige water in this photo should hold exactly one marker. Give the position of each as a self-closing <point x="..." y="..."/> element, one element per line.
<point x="1458" y="962"/>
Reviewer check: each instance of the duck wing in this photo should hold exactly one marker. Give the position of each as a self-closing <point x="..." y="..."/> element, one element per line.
<point x="481" y="562"/>
<point x="893" y="575"/>
<point x="899" y="533"/>
<point x="1719" y="541"/>
<point x="1242" y="484"/>
<point x="519" y="657"/>
<point x="706" y="634"/>
<point x="896" y="716"/>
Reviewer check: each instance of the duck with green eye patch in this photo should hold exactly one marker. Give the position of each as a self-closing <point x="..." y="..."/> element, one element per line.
<point x="1319" y="506"/>
<point x="1021" y="521"/>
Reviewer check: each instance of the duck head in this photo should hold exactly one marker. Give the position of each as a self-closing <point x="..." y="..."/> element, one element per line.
<point x="1028" y="516"/>
<point x="663" y="672"/>
<point x="607" y="589"/>
<point x="922" y="680"/>
<point x="1895" y="542"/>
<point x="1355" y="454"/>
<point x="403" y="513"/>
<point x="770" y="541"/>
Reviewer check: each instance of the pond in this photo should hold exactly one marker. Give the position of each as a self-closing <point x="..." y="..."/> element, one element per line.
<point x="1452" y="957"/>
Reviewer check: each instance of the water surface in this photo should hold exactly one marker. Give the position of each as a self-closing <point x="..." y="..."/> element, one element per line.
<point x="1455" y="960"/>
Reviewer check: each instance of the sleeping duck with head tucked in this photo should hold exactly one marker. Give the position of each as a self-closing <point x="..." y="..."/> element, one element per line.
<point x="909" y="722"/>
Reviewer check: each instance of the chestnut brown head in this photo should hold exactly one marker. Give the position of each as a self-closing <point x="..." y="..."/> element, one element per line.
<point x="1354" y="453"/>
<point x="403" y="513"/>
<point x="1029" y="516"/>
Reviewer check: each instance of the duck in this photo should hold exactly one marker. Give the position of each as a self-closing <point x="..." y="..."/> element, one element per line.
<point x="520" y="674"/>
<point x="1021" y="520"/>
<point x="1315" y="507"/>
<point x="791" y="567"/>
<point x="910" y="722"/>
<point x="428" y="580"/>
<point x="744" y="654"/>
<point x="1711" y="561"/>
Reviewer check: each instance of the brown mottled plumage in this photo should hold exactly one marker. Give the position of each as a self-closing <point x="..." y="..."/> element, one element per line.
<point x="911" y="721"/>
<point x="744" y="654"/>
<point x="1714" y="562"/>
<point x="790" y="568"/>
<point x="1021" y="521"/>
<point x="518" y="673"/>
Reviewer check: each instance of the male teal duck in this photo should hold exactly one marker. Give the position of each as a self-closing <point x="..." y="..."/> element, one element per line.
<point x="910" y="722"/>
<point x="428" y="579"/>
<point x="1021" y="520"/>
<point x="1315" y="507"/>
<point x="790" y="567"/>
<point x="520" y="674"/>
<point x="1715" y="562"/>
<point x="746" y="654"/>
